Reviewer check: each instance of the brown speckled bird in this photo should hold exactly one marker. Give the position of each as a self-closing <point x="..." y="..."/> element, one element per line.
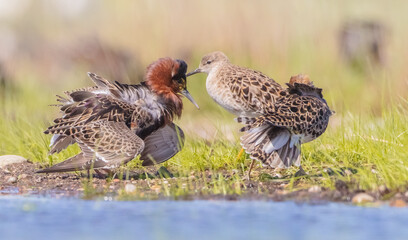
<point x="241" y="91"/>
<point x="278" y="120"/>
<point x="113" y="122"/>
<point x="298" y="116"/>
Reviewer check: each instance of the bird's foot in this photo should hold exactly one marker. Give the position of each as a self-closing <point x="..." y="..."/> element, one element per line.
<point x="248" y="176"/>
<point x="104" y="173"/>
<point x="164" y="173"/>
<point x="301" y="172"/>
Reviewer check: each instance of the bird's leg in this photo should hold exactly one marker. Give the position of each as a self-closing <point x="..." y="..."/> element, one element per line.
<point x="250" y="169"/>
<point x="164" y="173"/>
<point x="301" y="172"/>
<point x="248" y="176"/>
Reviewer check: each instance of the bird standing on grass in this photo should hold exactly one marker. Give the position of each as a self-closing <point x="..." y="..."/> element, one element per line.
<point x="113" y="122"/>
<point x="273" y="132"/>
<point x="298" y="116"/>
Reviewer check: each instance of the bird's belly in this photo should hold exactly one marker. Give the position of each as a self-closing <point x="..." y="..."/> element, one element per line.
<point x="224" y="97"/>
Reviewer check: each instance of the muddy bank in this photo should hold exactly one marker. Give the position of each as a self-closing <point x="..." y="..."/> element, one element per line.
<point x="21" y="179"/>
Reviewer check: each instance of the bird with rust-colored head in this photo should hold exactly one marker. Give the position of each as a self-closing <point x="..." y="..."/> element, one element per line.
<point x="113" y="123"/>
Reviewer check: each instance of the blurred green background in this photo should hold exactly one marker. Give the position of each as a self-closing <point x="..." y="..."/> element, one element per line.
<point x="47" y="46"/>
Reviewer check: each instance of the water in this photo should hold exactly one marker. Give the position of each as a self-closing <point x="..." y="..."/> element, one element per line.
<point x="46" y="218"/>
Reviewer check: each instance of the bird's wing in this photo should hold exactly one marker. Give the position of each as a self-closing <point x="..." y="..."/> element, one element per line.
<point x="86" y="109"/>
<point x="162" y="144"/>
<point x="257" y="90"/>
<point x="134" y="105"/>
<point x="298" y="112"/>
<point x="104" y="144"/>
<point x="109" y="143"/>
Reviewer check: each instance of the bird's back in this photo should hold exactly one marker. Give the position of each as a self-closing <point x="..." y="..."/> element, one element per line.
<point x="242" y="91"/>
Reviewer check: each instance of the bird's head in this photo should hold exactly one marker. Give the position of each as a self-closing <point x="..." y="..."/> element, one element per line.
<point x="210" y="62"/>
<point x="301" y="85"/>
<point x="167" y="78"/>
<point x="300" y="78"/>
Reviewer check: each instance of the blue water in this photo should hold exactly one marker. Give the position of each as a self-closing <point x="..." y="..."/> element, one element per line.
<point x="45" y="218"/>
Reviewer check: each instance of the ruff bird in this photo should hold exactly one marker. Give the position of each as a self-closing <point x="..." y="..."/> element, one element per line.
<point x="113" y="122"/>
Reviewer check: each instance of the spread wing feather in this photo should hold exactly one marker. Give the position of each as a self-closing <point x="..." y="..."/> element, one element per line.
<point x="162" y="144"/>
<point x="104" y="144"/>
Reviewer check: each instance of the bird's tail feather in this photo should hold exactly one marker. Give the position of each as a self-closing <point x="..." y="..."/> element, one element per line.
<point x="162" y="144"/>
<point x="273" y="146"/>
<point x="60" y="142"/>
<point x="75" y="163"/>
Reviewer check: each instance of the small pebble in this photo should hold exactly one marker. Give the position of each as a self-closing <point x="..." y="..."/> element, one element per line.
<point x="22" y="176"/>
<point x="348" y="172"/>
<point x="315" y="189"/>
<point x="277" y="175"/>
<point x="12" y="180"/>
<point x="362" y="198"/>
<point x="156" y="188"/>
<point x="337" y="195"/>
<point x="398" y="195"/>
<point x="383" y="190"/>
<point x="398" y="203"/>
<point x="130" y="188"/>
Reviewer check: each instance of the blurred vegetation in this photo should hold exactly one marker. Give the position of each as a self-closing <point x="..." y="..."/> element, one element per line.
<point x="48" y="46"/>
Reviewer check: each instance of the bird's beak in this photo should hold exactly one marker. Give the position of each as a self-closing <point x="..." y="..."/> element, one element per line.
<point x="193" y="72"/>
<point x="189" y="97"/>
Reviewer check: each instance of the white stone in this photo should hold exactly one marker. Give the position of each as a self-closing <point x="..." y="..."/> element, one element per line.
<point x="315" y="189"/>
<point x="10" y="159"/>
<point x="362" y="198"/>
<point x="130" y="188"/>
<point x="12" y="180"/>
<point x="22" y="176"/>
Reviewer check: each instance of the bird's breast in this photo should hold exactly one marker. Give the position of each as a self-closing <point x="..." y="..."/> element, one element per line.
<point x="220" y="92"/>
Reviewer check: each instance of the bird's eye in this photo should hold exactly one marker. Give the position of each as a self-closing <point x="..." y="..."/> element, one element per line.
<point x="209" y="61"/>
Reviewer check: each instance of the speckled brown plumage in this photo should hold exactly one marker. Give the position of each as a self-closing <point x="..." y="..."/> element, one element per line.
<point x="298" y="116"/>
<point x="242" y="91"/>
<point x="278" y="120"/>
<point x="113" y="122"/>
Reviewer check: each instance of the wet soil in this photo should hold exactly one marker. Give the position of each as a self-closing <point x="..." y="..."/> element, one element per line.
<point x="21" y="179"/>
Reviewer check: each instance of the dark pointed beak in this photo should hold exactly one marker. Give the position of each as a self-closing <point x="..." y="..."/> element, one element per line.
<point x="189" y="97"/>
<point x="193" y="72"/>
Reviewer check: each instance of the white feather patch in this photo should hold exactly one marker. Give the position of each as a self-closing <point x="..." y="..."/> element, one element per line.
<point x="277" y="142"/>
<point x="53" y="139"/>
<point x="294" y="140"/>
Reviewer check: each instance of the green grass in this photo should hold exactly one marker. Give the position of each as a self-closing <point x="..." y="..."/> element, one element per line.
<point x="372" y="147"/>
<point x="279" y="38"/>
